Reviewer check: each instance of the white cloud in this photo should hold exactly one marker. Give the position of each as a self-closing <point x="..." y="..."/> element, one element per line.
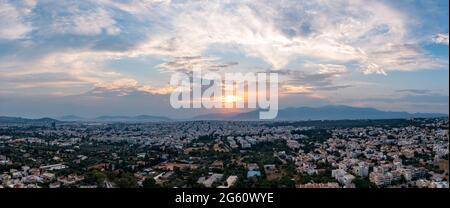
<point x="329" y="33"/>
<point x="441" y="39"/>
<point x="277" y="32"/>
<point x="140" y="8"/>
<point x="91" y="22"/>
<point x="118" y="83"/>
<point x="126" y="86"/>
<point x="337" y="31"/>
<point x="313" y="77"/>
<point x="324" y="68"/>
<point x="398" y="57"/>
<point x="13" y="26"/>
<point x="187" y="64"/>
<point x="296" y="89"/>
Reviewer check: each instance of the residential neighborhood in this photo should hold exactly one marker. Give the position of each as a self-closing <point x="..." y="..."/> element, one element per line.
<point x="399" y="153"/>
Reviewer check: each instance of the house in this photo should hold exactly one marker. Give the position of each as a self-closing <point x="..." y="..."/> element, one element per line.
<point x="211" y="179"/>
<point x="253" y="173"/>
<point x="231" y="180"/>
<point x="53" y="167"/>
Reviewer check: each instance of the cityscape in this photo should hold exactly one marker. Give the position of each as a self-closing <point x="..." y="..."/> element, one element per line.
<point x="224" y="99"/>
<point x="390" y="153"/>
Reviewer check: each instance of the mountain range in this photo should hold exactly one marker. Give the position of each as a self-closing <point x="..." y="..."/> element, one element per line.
<point x="19" y="120"/>
<point x="133" y="119"/>
<point x="336" y="112"/>
<point x="331" y="112"/>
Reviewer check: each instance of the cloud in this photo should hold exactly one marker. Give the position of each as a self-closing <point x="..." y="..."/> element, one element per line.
<point x="82" y="22"/>
<point x="118" y="83"/>
<point x="414" y="91"/>
<point x="312" y="77"/>
<point x="86" y="18"/>
<point x="338" y="31"/>
<point x="440" y="39"/>
<point x="373" y="35"/>
<point x="187" y="63"/>
<point x="404" y="57"/>
<point x="322" y="40"/>
<point x="140" y="8"/>
<point x="31" y="80"/>
<point x="126" y="86"/>
<point x="335" y="87"/>
<point x="49" y="83"/>
<point x="12" y="20"/>
<point x="296" y="89"/>
<point x="59" y="70"/>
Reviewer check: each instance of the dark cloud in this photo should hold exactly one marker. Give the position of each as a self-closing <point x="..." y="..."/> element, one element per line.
<point x="225" y="65"/>
<point x="323" y="81"/>
<point x="414" y="91"/>
<point x="335" y="87"/>
<point x="185" y="64"/>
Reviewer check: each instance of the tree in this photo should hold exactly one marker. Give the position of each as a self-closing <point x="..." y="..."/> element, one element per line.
<point x="95" y="177"/>
<point x="361" y="182"/>
<point x="126" y="180"/>
<point x="150" y="183"/>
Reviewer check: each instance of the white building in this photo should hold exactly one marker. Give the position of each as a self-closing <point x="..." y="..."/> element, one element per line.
<point x="361" y="170"/>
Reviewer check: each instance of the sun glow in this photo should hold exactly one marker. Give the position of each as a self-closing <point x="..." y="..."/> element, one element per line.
<point x="230" y="99"/>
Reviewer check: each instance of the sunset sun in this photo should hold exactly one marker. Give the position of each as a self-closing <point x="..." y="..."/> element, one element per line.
<point x="230" y="99"/>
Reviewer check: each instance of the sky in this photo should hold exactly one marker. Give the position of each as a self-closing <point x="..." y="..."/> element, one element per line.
<point x="115" y="57"/>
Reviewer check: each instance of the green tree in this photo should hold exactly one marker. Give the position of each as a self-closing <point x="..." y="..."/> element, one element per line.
<point x="361" y="182"/>
<point x="150" y="183"/>
<point x="126" y="180"/>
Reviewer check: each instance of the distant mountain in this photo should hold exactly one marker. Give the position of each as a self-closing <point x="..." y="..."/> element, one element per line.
<point x="140" y="118"/>
<point x="214" y="116"/>
<point x="429" y="115"/>
<point x="15" y="120"/>
<point x="70" y="118"/>
<point x="330" y="112"/>
<point x="147" y="117"/>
